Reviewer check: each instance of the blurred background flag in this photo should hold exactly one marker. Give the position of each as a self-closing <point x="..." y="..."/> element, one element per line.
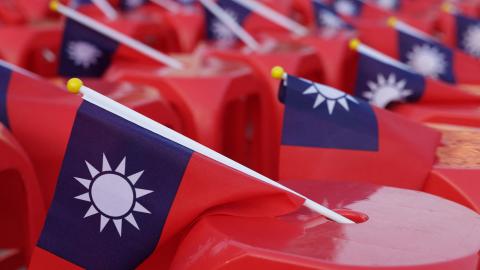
<point x="217" y="30"/>
<point x="327" y="18"/>
<point x="85" y="52"/>
<point x="382" y="80"/>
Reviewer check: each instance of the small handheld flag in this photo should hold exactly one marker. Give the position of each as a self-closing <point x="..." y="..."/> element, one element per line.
<point x="330" y="135"/>
<point x="382" y="80"/>
<point x="104" y="34"/>
<point x="216" y="26"/>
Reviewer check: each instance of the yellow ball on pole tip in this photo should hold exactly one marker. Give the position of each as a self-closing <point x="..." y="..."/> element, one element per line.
<point x="392" y="21"/>
<point x="54" y="5"/>
<point x="74" y="85"/>
<point x="447" y="7"/>
<point x="354" y="43"/>
<point x="278" y="72"/>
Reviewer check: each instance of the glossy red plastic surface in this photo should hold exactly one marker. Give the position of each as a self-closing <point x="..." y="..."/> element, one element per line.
<point x="405" y="230"/>
<point x="32" y="47"/>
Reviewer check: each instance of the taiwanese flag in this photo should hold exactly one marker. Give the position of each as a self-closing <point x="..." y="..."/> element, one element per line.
<point x="216" y="30"/>
<point x="422" y="53"/>
<point x="461" y="31"/>
<point x="382" y="80"/>
<point x="330" y="135"/>
<point x="125" y="194"/>
<point x="85" y="52"/>
<point x="327" y="18"/>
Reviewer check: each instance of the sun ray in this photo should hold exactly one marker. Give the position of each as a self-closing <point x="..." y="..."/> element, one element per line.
<point x="401" y="84"/>
<point x="131" y="219"/>
<point x="121" y="166"/>
<point x="343" y="103"/>
<point x="373" y="86"/>
<point x="140" y="192"/>
<point x="139" y="208"/>
<point x="381" y="80"/>
<point x="103" y="222"/>
<point x="84" y="197"/>
<point x="331" y="106"/>
<point x="310" y="90"/>
<point x="91" y="169"/>
<point x="134" y="177"/>
<point x="105" y="165"/>
<point x="84" y="182"/>
<point x="319" y="100"/>
<point x="118" y="225"/>
<point x="91" y="211"/>
<point x="352" y="99"/>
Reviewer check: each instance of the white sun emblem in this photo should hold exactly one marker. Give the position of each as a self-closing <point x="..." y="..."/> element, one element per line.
<point x="113" y="195"/>
<point x="83" y="53"/>
<point x="387" y="4"/>
<point x="345" y="7"/>
<point x="329" y="20"/>
<point x="427" y="60"/>
<point x="133" y="3"/>
<point x="386" y="90"/>
<point x="330" y="95"/>
<point x="471" y="40"/>
<point x="221" y="31"/>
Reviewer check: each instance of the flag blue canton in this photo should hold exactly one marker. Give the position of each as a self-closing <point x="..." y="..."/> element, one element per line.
<point x="380" y="82"/>
<point x="216" y="30"/>
<point x="77" y="3"/>
<point x="351" y="8"/>
<point x="147" y="181"/>
<point x="426" y="56"/>
<point x="468" y="34"/>
<point x="351" y="124"/>
<point x="127" y="5"/>
<point x="5" y="75"/>
<point x="84" y="52"/>
<point x="326" y="17"/>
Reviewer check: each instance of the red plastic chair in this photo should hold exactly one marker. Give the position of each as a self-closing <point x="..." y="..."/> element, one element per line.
<point x="218" y="102"/>
<point x="398" y="229"/>
<point x="34" y="47"/>
<point x="21" y="203"/>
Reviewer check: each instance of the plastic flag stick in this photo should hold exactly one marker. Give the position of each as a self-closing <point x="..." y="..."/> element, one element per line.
<point x="231" y="24"/>
<point x="76" y="86"/>
<point x="274" y="16"/>
<point x="356" y="45"/>
<point x="106" y="8"/>
<point x="406" y="28"/>
<point x="115" y="35"/>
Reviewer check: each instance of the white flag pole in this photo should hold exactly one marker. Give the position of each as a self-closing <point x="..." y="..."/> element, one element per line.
<point x="233" y="25"/>
<point x="408" y="29"/>
<point x="115" y="35"/>
<point x="76" y="86"/>
<point x="274" y="16"/>
<point x="356" y="45"/>
<point x="170" y="6"/>
<point x="106" y="8"/>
